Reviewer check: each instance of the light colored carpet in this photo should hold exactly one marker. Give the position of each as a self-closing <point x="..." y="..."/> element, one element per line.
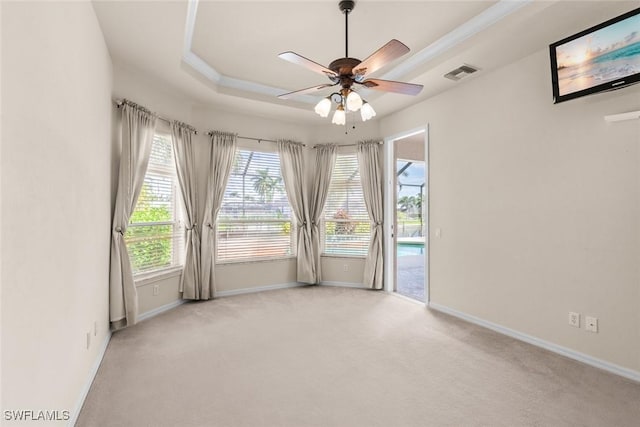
<point x="324" y="356"/>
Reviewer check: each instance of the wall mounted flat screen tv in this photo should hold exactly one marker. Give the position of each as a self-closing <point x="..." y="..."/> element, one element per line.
<point x="600" y="58"/>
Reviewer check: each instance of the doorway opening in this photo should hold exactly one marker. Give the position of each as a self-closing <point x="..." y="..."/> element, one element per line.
<point x="406" y="213"/>
<point x="410" y="253"/>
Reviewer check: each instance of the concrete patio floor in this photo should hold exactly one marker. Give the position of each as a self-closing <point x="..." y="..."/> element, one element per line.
<point x="410" y="280"/>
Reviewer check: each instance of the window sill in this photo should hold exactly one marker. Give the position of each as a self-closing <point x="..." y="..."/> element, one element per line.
<point x="144" y="279"/>
<point x="254" y="261"/>
<point x="343" y="256"/>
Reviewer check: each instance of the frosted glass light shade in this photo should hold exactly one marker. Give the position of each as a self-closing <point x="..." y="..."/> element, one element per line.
<point x="367" y="112"/>
<point x="339" y="117"/>
<point x="354" y="101"/>
<point x="323" y="107"/>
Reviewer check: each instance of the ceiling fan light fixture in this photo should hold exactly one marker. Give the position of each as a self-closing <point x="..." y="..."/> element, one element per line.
<point x="354" y="101"/>
<point x="367" y="112"/>
<point x="339" y="117"/>
<point x="323" y="107"/>
<point x="347" y="71"/>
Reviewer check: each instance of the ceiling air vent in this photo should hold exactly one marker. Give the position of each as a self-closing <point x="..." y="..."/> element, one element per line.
<point x="460" y="72"/>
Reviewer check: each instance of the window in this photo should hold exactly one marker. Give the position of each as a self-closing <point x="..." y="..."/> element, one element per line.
<point x="155" y="237"/>
<point x="255" y="220"/>
<point x="347" y="227"/>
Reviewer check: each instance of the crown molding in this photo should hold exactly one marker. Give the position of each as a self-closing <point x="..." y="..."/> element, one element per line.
<point x="484" y="20"/>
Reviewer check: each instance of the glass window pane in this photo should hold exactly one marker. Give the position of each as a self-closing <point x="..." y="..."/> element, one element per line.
<point x="155" y="238"/>
<point x="254" y="220"/>
<point x="346" y="221"/>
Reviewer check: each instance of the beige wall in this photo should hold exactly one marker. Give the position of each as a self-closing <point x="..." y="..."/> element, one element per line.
<point x="56" y="183"/>
<point x="167" y="293"/>
<point x="538" y="206"/>
<point x="328" y="133"/>
<point x="342" y="270"/>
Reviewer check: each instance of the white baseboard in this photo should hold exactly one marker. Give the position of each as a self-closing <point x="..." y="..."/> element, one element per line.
<point x="151" y="313"/>
<point x="406" y="298"/>
<point x="555" y="348"/>
<point x="232" y="292"/>
<point x="344" y="284"/>
<point x="87" y="386"/>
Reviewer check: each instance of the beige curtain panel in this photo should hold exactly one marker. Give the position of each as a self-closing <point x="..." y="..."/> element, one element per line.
<point x="325" y="161"/>
<point x="222" y="155"/>
<point x="185" y="168"/>
<point x="369" y="163"/>
<point x="293" y="174"/>
<point x="137" y="128"/>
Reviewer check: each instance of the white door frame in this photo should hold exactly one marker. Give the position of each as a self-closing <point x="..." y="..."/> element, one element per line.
<point x="389" y="208"/>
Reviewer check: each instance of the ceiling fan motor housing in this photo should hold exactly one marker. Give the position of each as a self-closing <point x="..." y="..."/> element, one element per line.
<point x="343" y="67"/>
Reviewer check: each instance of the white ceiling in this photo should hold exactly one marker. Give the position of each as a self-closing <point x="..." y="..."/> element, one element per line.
<point x="223" y="54"/>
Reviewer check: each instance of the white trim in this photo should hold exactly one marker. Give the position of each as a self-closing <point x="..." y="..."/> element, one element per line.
<point x="555" y="348"/>
<point x="156" y="276"/>
<point x="387" y="223"/>
<point x="152" y="313"/>
<point x="389" y="209"/>
<point x="344" y="284"/>
<point x="347" y="256"/>
<point x="484" y="20"/>
<point x="406" y="298"/>
<point x="406" y="134"/>
<point x="473" y="26"/>
<point x="190" y="58"/>
<point x="631" y="115"/>
<point x="242" y="291"/>
<point x="255" y="261"/>
<point x="87" y="386"/>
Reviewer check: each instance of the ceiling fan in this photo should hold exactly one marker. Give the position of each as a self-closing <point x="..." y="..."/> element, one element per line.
<point x="348" y="72"/>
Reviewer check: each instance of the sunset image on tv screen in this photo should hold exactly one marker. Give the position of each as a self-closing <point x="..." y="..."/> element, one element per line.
<point x="605" y="55"/>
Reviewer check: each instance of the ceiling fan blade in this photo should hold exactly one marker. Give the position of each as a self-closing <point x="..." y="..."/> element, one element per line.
<point x="391" y="86"/>
<point x="305" y="91"/>
<point x="381" y="57"/>
<point x="307" y="63"/>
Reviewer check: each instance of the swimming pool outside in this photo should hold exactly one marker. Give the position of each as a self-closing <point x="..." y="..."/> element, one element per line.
<point x="406" y="249"/>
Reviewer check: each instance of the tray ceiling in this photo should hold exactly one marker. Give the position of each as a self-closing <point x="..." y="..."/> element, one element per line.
<point x="223" y="54"/>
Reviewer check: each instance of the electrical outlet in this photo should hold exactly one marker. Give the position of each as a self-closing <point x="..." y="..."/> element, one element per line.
<point x="156" y="290"/>
<point x="591" y="324"/>
<point x="345" y="267"/>
<point x="574" y="319"/>
<point x="88" y="340"/>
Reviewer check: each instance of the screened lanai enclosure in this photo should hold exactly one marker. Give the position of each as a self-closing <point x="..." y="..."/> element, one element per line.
<point x="410" y="183"/>
<point x="410" y="228"/>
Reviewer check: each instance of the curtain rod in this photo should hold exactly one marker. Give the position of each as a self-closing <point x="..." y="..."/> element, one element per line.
<point x="345" y="145"/>
<point x="119" y="103"/>
<point x="256" y="139"/>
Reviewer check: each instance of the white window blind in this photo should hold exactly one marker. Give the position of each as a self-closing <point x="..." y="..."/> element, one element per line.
<point x="255" y="220"/>
<point x="347" y="227"/>
<point x="155" y="237"/>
